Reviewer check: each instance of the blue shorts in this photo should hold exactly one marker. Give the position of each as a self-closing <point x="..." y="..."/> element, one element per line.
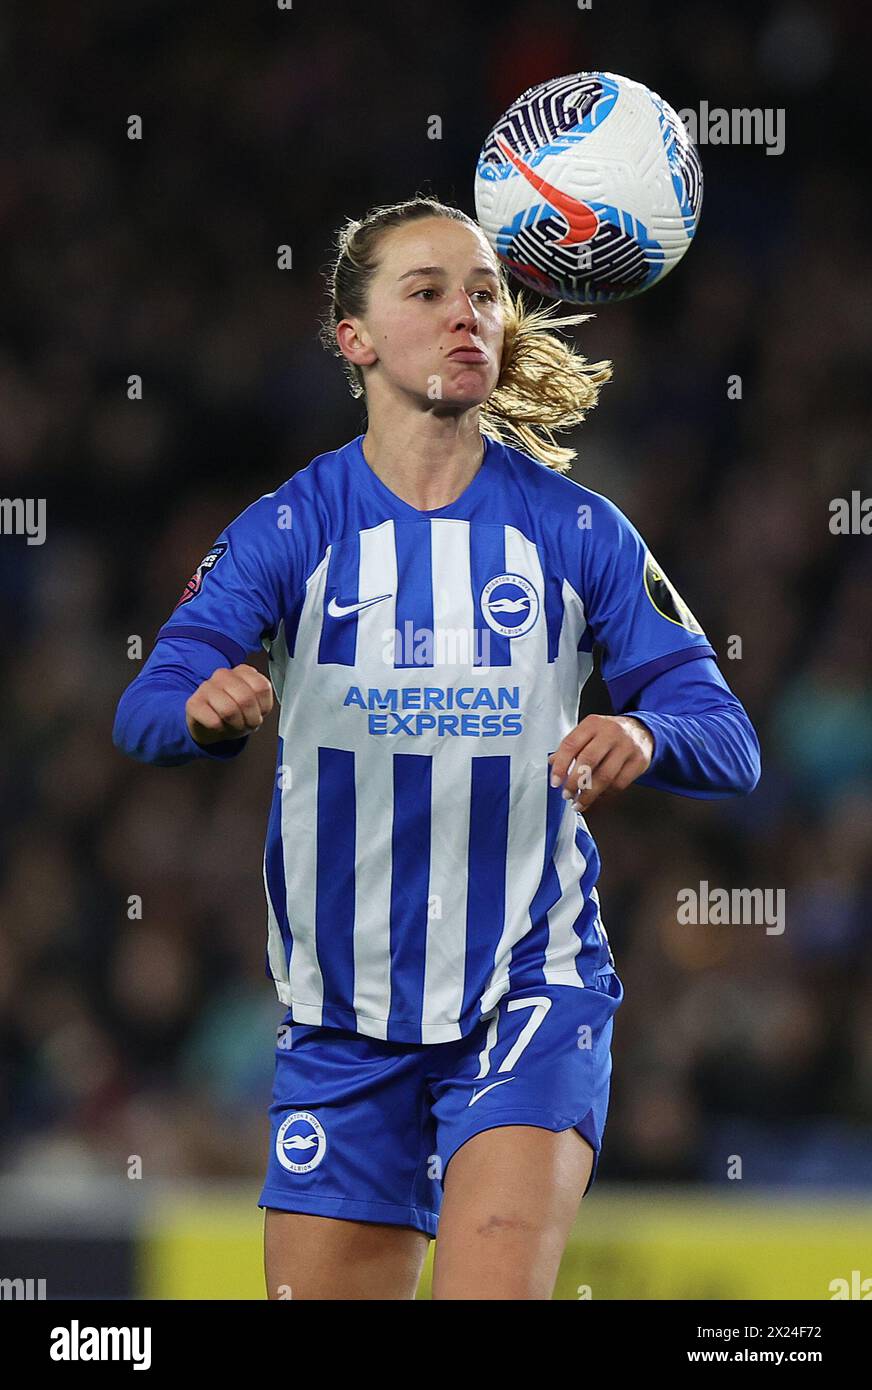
<point x="364" y="1129"/>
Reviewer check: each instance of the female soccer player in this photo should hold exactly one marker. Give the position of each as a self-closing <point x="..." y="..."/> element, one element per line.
<point x="429" y="597"/>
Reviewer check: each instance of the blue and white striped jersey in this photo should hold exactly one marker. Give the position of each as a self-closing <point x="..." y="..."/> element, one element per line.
<point x="418" y="864"/>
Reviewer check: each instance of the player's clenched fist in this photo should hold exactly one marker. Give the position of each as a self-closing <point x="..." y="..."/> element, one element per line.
<point x="230" y="704"/>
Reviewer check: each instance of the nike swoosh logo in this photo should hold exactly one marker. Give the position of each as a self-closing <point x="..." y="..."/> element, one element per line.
<point x="341" y="610"/>
<point x="478" y="1094"/>
<point x="582" y="219"/>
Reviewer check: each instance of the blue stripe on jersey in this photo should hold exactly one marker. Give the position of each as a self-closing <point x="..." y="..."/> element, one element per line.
<point x="410" y="857"/>
<point x="338" y="642"/>
<point x="274" y="865"/>
<point x="486" y="871"/>
<point x="554" y="611"/>
<point x="336" y="818"/>
<point x="487" y="558"/>
<point x="414" y="602"/>
<point x="583" y="924"/>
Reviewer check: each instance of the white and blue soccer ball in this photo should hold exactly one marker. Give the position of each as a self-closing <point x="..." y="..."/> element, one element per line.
<point x="589" y="188"/>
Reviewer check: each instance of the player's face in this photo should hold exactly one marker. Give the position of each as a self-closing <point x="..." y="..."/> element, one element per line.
<point x="436" y="291"/>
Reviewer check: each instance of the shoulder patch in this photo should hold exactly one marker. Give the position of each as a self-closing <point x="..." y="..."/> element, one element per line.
<point x="195" y="583"/>
<point x="666" y="598"/>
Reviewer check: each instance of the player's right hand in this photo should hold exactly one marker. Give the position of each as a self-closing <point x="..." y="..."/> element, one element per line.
<point x="230" y="704"/>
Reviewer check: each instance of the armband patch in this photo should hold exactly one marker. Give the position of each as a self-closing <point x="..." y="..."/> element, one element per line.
<point x="666" y="598"/>
<point x="195" y="583"/>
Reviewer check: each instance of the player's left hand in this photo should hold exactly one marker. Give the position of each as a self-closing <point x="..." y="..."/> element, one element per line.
<point x="610" y="752"/>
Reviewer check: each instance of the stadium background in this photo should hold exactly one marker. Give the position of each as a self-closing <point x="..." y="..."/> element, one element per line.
<point x="158" y="257"/>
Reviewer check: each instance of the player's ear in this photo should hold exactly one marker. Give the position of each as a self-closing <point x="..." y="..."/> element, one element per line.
<point x="354" y="342"/>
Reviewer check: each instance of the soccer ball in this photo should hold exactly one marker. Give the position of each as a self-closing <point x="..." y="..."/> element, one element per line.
<point x="589" y="188"/>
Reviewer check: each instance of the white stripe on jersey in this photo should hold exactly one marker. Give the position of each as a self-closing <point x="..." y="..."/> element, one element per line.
<point x="373" y="792"/>
<point x="527" y="814"/>
<point x="298" y="799"/>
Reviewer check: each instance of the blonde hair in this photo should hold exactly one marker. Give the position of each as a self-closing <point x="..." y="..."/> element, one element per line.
<point x="544" y="384"/>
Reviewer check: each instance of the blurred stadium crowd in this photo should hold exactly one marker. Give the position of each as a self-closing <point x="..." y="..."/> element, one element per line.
<point x="158" y="257"/>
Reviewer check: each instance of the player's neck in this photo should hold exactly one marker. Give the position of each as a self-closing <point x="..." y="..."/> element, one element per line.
<point x="426" y="465"/>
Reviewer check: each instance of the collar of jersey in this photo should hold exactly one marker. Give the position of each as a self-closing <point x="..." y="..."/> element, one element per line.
<point x="457" y="508"/>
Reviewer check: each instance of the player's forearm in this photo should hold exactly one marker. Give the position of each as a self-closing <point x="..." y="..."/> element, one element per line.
<point x="150" y="723"/>
<point x="150" y="726"/>
<point x="713" y="754"/>
<point x="704" y="743"/>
